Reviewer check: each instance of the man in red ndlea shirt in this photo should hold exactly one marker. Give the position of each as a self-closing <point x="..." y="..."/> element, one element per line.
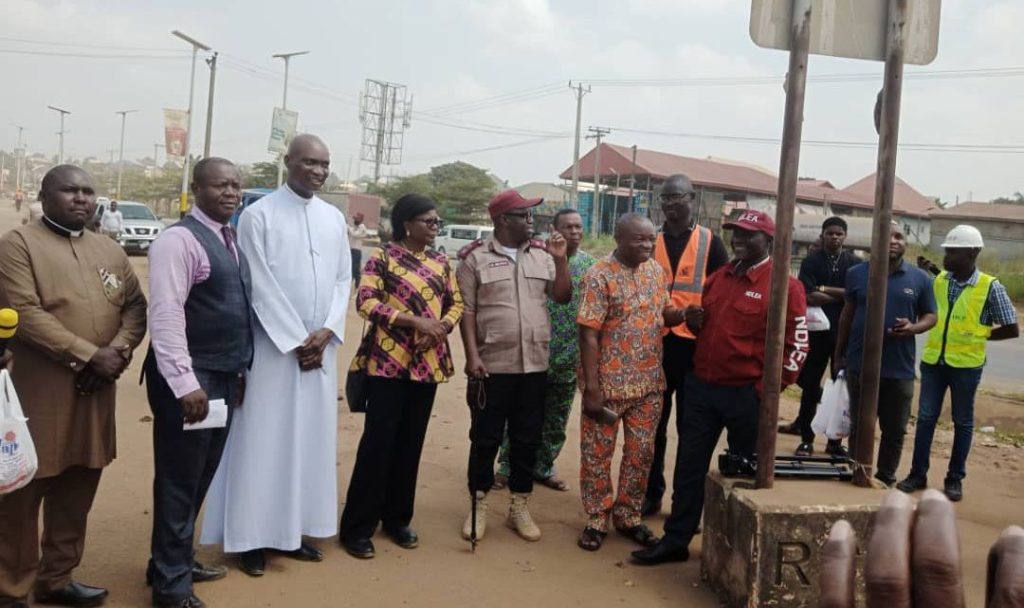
<point x="724" y="390"/>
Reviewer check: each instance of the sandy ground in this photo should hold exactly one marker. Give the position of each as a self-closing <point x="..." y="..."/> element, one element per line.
<point x="505" y="571"/>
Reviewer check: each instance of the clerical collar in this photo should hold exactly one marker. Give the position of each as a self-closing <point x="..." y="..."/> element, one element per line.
<point x="61" y="230"/>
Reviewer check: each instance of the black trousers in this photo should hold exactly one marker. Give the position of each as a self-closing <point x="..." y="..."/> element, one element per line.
<point x="515" y="400"/>
<point x="822" y="347"/>
<point x="895" y="398"/>
<point x="383" y="485"/>
<point x="709" y="409"/>
<point x="184" y="464"/>
<point x="357" y="267"/>
<point x="677" y="361"/>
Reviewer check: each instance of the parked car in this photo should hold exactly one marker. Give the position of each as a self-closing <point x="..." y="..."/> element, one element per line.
<point x="249" y="196"/>
<point x="453" y="237"/>
<point x="141" y="225"/>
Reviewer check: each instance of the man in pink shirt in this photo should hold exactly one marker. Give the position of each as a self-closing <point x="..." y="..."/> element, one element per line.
<point x="200" y="328"/>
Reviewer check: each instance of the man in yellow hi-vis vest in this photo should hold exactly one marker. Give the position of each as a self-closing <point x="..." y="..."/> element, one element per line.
<point x="970" y="302"/>
<point x="688" y="253"/>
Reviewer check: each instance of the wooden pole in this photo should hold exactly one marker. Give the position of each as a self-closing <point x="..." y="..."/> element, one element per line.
<point x="878" y="272"/>
<point x="789" y="168"/>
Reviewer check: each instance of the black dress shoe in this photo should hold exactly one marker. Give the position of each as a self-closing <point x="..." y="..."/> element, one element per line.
<point x="73" y="594"/>
<point x="305" y="553"/>
<point x="359" y="547"/>
<point x="205" y="574"/>
<point x="953" y="489"/>
<point x="790" y="429"/>
<point x="650" y="507"/>
<point x="189" y="602"/>
<point x="404" y="536"/>
<point x="253" y="562"/>
<point x="200" y="574"/>
<point x="661" y="553"/>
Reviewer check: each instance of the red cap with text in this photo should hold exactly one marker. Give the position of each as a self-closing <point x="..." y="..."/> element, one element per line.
<point x="753" y="220"/>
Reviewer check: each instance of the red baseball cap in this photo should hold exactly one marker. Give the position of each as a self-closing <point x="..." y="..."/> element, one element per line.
<point x="508" y="201"/>
<point x="753" y="220"/>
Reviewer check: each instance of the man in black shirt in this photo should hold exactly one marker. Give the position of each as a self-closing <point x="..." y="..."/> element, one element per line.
<point x="688" y="253"/>
<point x="823" y="274"/>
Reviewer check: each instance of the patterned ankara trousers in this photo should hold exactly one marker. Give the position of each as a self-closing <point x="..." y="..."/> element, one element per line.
<point x="639" y="419"/>
<point x="557" y="405"/>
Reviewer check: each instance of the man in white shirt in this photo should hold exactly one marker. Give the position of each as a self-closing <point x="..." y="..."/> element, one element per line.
<point x="112" y="221"/>
<point x="356" y="233"/>
<point x="277" y="480"/>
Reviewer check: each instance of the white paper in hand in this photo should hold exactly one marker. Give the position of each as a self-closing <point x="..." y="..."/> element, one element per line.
<point x="217" y="418"/>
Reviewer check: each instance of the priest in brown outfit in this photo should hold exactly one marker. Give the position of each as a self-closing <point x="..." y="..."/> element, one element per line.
<point x="82" y="313"/>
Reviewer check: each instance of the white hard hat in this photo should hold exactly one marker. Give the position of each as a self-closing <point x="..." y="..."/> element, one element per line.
<point x="964" y="236"/>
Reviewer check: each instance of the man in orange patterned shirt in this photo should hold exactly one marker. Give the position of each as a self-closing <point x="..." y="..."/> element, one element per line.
<point x="624" y="307"/>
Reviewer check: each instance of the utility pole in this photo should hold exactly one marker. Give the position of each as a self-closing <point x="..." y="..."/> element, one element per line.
<point x="284" y="105"/>
<point x="212" y="62"/>
<point x="60" y="134"/>
<point x="120" y="162"/>
<point x="19" y="160"/>
<point x="579" y="92"/>
<point x="596" y="216"/>
<point x="632" y="181"/>
<point x="196" y="45"/>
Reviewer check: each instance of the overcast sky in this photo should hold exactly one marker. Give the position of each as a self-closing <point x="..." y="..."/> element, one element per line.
<point x="460" y="51"/>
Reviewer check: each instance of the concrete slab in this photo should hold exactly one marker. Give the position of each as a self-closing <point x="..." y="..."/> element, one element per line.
<point x="763" y="547"/>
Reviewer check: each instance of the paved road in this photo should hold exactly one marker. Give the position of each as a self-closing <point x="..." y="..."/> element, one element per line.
<point x="1003" y="369"/>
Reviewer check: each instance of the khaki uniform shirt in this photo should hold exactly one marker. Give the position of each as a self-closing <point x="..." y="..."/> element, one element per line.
<point x="73" y="295"/>
<point x="509" y="300"/>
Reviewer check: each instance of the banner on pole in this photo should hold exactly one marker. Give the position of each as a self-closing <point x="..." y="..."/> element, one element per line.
<point x="175" y="133"/>
<point x="282" y="130"/>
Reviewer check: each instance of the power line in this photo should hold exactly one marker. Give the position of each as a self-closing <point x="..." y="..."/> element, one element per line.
<point x="1002" y="72"/>
<point x="496" y="99"/>
<point x="517" y="144"/>
<point x="89" y="46"/>
<point x="174" y="57"/>
<point x="923" y="147"/>
<point x="488" y="128"/>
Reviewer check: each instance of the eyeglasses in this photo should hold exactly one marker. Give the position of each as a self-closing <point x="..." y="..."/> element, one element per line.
<point x="433" y="222"/>
<point x="675" y="198"/>
<point x="524" y="215"/>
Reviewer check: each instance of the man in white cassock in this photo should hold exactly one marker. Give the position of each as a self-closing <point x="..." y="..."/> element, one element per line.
<point x="277" y="480"/>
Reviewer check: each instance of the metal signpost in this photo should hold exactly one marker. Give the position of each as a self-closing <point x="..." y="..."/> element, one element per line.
<point x="894" y="31"/>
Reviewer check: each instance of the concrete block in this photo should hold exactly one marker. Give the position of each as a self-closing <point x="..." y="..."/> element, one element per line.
<point x="763" y="547"/>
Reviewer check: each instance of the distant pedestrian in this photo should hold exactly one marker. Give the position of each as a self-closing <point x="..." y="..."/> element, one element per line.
<point x="357" y="232"/>
<point x="970" y="303"/>
<point x="112" y="221"/>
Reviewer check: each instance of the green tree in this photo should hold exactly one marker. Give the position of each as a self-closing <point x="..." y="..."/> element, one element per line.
<point x="1016" y="199"/>
<point x="460" y="189"/>
<point x="260" y="175"/>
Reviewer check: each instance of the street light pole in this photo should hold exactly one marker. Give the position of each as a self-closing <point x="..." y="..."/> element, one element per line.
<point x="284" y="105"/>
<point x="196" y="45"/>
<point x="19" y="160"/>
<point x="120" y="158"/>
<point x="212" y="62"/>
<point x="60" y="134"/>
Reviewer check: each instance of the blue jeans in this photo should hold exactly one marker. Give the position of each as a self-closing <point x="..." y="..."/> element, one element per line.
<point x="962" y="385"/>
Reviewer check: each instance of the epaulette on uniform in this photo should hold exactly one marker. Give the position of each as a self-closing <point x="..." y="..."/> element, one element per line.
<point x="469" y="248"/>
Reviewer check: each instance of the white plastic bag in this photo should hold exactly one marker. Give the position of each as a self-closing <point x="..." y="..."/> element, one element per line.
<point x="839" y="421"/>
<point x="817" y="320"/>
<point x="824" y="413"/>
<point x="18" y="461"/>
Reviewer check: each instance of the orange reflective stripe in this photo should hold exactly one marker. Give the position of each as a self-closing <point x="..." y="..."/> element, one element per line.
<point x="686" y="285"/>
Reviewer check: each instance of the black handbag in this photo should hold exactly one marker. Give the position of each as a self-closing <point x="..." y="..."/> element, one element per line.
<point x="356" y="393"/>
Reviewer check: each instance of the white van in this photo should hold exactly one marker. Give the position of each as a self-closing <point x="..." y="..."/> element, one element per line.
<point x="453" y="237"/>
